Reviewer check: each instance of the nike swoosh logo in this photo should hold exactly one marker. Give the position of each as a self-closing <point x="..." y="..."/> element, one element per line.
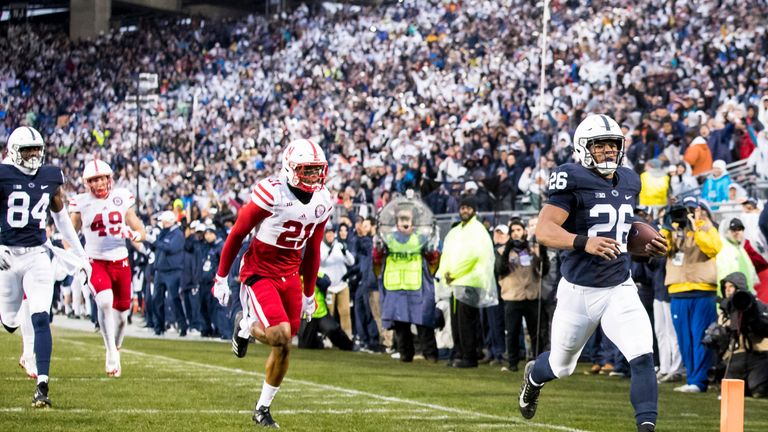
<point x="626" y="197"/>
<point x="44" y="187"/>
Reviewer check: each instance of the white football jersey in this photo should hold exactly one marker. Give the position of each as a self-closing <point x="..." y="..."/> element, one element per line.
<point x="291" y="222"/>
<point x="103" y="220"/>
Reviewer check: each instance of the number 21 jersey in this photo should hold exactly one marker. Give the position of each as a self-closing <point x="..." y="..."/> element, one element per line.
<point x="281" y="237"/>
<point x="597" y="207"/>
<point x="103" y="220"/>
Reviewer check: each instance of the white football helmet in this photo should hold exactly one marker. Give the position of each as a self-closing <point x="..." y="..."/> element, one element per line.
<point x="597" y="127"/>
<point x="98" y="168"/>
<point x="21" y="138"/>
<point x="304" y="165"/>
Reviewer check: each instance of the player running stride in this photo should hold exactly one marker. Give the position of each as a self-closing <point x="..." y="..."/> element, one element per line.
<point x="290" y="211"/>
<point x="588" y="217"/>
<point x="29" y="191"/>
<point x="106" y="218"/>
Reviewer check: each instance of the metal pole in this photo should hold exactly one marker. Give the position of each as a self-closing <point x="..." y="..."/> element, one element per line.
<point x="542" y="79"/>
<point x="138" y="140"/>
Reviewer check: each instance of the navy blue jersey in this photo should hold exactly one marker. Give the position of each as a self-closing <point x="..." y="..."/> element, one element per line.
<point x="597" y="207"/>
<point x="24" y="201"/>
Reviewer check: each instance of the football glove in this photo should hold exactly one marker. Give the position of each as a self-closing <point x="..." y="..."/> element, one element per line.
<point x="308" y="306"/>
<point x="87" y="269"/>
<point x="220" y="290"/>
<point x="5" y="258"/>
<point x="127" y="233"/>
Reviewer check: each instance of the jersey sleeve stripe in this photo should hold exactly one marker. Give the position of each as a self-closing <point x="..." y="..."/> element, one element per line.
<point x="260" y="200"/>
<point x="265" y="191"/>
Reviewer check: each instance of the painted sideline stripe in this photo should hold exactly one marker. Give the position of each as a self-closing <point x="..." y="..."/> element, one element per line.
<point x="336" y="389"/>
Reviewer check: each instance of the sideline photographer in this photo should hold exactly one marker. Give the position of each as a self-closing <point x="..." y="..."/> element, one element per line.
<point x="693" y="243"/>
<point x="744" y="320"/>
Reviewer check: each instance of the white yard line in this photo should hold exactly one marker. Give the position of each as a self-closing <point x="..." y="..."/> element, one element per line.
<point x="346" y="391"/>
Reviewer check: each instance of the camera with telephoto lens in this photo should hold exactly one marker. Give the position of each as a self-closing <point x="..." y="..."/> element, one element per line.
<point x="748" y="315"/>
<point x="678" y="213"/>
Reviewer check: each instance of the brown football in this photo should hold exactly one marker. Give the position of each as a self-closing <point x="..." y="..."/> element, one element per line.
<point x="640" y="235"/>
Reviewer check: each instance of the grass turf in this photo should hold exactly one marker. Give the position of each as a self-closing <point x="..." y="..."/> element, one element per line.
<point x="183" y="386"/>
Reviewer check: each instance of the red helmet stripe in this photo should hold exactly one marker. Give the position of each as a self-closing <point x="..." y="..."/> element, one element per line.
<point x="314" y="149"/>
<point x="96" y="165"/>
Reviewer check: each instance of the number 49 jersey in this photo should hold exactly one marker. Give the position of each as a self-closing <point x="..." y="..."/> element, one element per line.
<point x="24" y="204"/>
<point x="597" y="207"/>
<point x="103" y="220"/>
<point x="281" y="237"/>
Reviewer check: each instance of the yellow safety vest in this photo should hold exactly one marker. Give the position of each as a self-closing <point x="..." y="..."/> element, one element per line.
<point x="403" y="269"/>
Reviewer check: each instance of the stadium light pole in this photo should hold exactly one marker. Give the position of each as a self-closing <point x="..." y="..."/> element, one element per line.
<point x="544" y="35"/>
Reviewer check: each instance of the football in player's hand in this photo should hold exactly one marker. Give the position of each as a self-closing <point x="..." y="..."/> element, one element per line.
<point x="640" y="235"/>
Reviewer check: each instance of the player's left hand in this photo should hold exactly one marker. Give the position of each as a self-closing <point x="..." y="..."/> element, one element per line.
<point x="220" y="290"/>
<point x="127" y="233"/>
<point x="5" y="258"/>
<point x="86" y="267"/>
<point x="308" y="307"/>
<point x="656" y="247"/>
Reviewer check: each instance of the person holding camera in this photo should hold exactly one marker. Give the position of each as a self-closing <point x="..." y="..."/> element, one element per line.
<point x="693" y="243"/>
<point x="748" y="359"/>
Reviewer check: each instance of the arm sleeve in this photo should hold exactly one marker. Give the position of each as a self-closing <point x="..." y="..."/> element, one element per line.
<point x="708" y="241"/>
<point x="311" y="262"/>
<point x="64" y="225"/>
<point x="249" y="216"/>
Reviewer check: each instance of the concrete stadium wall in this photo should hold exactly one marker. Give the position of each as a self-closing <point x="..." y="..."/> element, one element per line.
<point x="88" y="18"/>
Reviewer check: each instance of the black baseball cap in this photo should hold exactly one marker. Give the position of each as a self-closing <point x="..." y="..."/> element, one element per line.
<point x="736" y="225"/>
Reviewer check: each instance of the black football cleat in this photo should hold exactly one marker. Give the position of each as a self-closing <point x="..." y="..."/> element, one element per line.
<point x="529" y="393"/>
<point x="646" y="427"/>
<point x="239" y="345"/>
<point x="9" y="329"/>
<point x="40" y="400"/>
<point x="262" y="417"/>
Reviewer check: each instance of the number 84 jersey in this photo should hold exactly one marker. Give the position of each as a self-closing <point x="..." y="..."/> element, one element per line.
<point x="103" y="220"/>
<point x="281" y="237"/>
<point x="597" y="207"/>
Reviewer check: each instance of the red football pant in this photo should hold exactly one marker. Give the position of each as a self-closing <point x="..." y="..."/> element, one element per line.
<point x="275" y="301"/>
<point x="114" y="275"/>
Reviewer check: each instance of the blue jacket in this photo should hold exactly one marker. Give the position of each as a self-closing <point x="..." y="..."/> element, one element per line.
<point x="209" y="261"/>
<point x="364" y="261"/>
<point x="716" y="189"/>
<point x="189" y="278"/>
<point x="169" y="249"/>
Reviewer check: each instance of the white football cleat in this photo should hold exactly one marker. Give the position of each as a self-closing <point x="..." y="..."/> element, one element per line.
<point x="29" y="364"/>
<point x="113" y="364"/>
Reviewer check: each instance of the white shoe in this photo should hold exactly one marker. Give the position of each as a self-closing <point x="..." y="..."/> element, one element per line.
<point x="29" y="364"/>
<point x="113" y="364"/>
<point x="688" y="388"/>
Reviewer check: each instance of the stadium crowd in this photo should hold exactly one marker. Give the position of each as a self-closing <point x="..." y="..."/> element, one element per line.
<point x="439" y="97"/>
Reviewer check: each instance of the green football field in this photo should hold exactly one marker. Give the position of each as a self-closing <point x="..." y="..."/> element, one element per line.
<point x="170" y="385"/>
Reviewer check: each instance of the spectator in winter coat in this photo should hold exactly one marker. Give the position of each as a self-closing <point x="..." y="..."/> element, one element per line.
<point x="715" y="187"/>
<point x="698" y="156"/>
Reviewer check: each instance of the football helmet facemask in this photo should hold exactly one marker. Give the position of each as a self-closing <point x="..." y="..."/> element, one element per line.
<point x="593" y="129"/>
<point x="94" y="169"/>
<point x="22" y="138"/>
<point x="304" y="165"/>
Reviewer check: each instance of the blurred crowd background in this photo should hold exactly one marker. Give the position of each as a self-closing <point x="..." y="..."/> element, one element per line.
<point x="443" y="98"/>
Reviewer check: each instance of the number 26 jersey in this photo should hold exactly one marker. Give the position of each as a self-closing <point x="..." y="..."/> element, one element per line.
<point x="277" y="247"/>
<point x="597" y="207"/>
<point x="103" y="220"/>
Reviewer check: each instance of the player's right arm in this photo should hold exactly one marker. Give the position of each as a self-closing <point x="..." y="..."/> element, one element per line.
<point x="562" y="200"/>
<point x="248" y="218"/>
<point x="550" y="233"/>
<point x="63" y="222"/>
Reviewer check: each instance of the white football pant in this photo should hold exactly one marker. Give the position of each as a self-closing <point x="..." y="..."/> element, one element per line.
<point x="31" y="274"/>
<point x="580" y="309"/>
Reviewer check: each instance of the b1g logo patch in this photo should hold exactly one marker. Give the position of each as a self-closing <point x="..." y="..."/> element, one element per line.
<point x="117" y="201"/>
<point x="319" y="210"/>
